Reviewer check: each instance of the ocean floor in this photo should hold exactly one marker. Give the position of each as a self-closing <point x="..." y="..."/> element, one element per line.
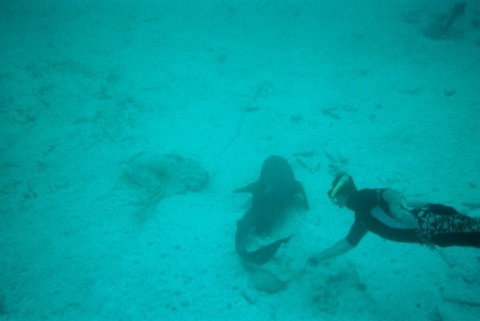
<point x="125" y="126"/>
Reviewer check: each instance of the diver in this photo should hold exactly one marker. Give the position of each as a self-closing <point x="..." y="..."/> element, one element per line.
<point x="384" y="212"/>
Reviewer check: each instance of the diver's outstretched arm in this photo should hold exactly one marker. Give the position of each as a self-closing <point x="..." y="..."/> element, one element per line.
<point x="337" y="249"/>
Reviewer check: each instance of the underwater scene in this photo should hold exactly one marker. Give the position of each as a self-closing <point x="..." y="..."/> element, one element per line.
<point x="239" y="160"/>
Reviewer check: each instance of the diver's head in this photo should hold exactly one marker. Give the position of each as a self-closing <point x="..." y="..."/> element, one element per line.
<point x="342" y="186"/>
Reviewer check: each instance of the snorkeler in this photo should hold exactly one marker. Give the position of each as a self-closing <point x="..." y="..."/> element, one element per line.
<point x="385" y="213"/>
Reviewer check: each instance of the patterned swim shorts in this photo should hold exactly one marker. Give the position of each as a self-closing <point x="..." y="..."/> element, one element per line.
<point x="431" y="224"/>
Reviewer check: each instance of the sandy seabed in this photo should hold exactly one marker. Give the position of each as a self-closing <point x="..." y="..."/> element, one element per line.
<point x="90" y="87"/>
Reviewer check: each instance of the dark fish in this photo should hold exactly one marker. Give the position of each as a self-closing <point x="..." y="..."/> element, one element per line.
<point x="271" y="193"/>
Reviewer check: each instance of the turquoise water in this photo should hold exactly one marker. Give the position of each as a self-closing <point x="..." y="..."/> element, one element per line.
<point x="126" y="125"/>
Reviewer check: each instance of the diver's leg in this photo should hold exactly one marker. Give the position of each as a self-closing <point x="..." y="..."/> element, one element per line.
<point x="467" y="239"/>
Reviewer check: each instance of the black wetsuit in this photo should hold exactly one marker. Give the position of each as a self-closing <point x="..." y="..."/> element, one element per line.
<point x="437" y="224"/>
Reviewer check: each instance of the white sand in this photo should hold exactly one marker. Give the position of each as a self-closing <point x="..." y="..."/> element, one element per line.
<point x="85" y="86"/>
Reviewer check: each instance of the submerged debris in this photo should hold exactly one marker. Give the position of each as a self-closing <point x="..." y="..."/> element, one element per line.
<point x="442" y="26"/>
<point x="469" y="302"/>
<point x="155" y="177"/>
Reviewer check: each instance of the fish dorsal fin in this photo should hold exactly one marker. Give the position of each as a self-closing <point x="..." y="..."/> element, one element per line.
<point x="250" y="188"/>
